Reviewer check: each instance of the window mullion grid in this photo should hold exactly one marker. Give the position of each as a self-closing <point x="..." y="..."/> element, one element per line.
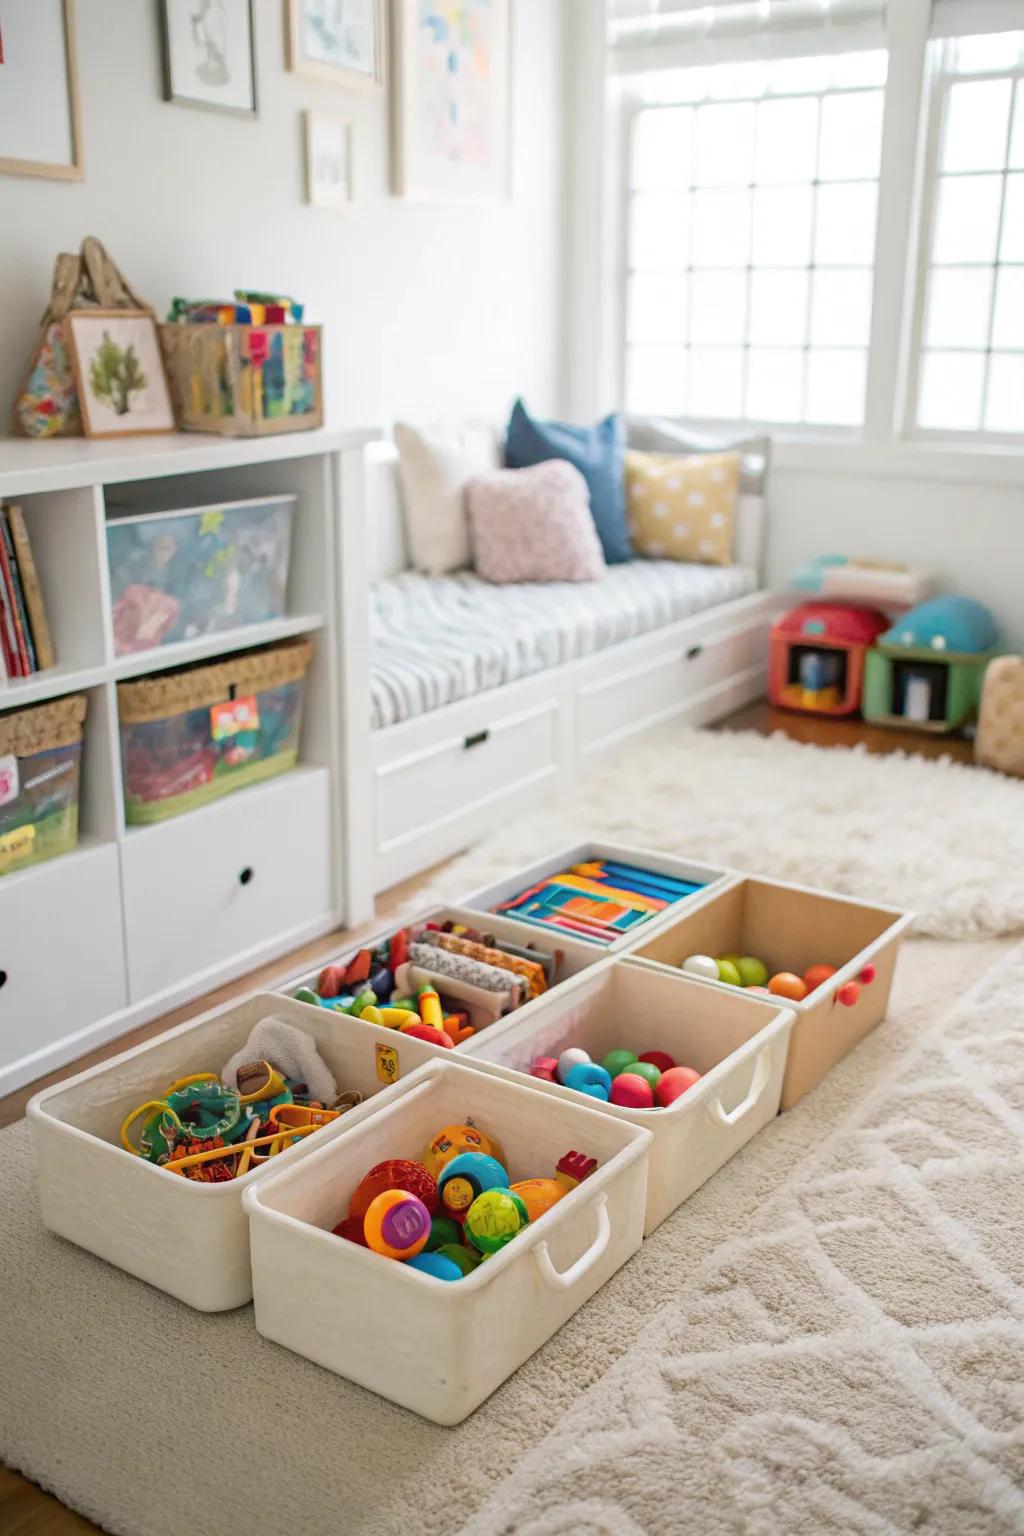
<point x="688" y="271"/>
<point x="997" y="263"/>
<point x="811" y="268"/>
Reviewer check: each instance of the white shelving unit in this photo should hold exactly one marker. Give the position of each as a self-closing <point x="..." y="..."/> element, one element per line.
<point x="140" y="919"/>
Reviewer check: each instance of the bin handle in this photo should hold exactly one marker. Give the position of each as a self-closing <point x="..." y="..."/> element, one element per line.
<point x="564" y="1280"/>
<point x="728" y="1118"/>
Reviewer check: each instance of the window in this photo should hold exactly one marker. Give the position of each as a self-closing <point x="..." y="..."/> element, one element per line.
<point x="970" y="357"/>
<point x="750" y="234"/>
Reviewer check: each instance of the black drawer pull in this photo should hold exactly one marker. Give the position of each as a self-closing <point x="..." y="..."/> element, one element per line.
<point x="476" y="740"/>
<point x="246" y="875"/>
<point x="3" y="978"/>
<point x="694" y="652"/>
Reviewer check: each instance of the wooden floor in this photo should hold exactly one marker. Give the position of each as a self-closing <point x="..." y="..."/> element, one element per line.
<point x="26" y="1510"/>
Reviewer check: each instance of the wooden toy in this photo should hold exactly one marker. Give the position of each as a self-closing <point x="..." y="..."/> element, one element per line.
<point x="674" y="1083"/>
<point x="926" y="671"/>
<point x="494" y="1219"/>
<point x="1000" y="739"/>
<point x="816" y="657"/>
<point x="397" y="1225"/>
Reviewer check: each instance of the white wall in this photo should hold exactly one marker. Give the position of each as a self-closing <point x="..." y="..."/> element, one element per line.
<point x="430" y="311"/>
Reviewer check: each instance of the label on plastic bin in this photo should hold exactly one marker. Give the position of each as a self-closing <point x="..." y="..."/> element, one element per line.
<point x="15" y="845"/>
<point x="387" y="1063"/>
<point x="8" y="779"/>
<point x="234" y="717"/>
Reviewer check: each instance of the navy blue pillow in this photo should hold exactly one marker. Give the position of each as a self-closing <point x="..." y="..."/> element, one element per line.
<point x="597" y="452"/>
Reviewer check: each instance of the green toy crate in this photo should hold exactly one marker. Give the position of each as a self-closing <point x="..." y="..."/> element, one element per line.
<point x="190" y="736"/>
<point x="946" y="687"/>
<point x="40" y="762"/>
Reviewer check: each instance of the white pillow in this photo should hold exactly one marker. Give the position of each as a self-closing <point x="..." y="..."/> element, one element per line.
<point x="435" y="465"/>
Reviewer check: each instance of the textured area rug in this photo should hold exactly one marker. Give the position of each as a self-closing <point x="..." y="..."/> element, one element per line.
<point x="944" y="839"/>
<point x="827" y="1338"/>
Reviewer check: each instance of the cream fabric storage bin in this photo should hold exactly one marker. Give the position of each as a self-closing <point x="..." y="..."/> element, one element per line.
<point x="188" y="1239"/>
<point x="737" y="1043"/>
<point x="441" y="1347"/>
<point x="791" y="927"/>
<point x="708" y="878"/>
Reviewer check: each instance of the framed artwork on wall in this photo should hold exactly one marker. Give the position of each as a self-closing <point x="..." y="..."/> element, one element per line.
<point x="337" y="40"/>
<point x="328" y="160"/>
<point x="209" y="54"/>
<point x="452" y="102"/>
<point x="119" y="372"/>
<point x="40" y="120"/>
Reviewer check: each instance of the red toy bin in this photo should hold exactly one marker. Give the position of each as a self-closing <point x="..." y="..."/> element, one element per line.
<point x="817" y="655"/>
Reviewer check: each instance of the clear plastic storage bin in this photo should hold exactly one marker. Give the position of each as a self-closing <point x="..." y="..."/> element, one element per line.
<point x="190" y="736"/>
<point x="40" y="762"/>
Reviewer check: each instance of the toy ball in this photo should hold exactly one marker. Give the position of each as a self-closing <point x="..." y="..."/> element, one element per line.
<point x="539" y="1195"/>
<point x="753" y="972"/>
<point x="647" y="1070"/>
<point x="660" y="1059"/>
<point x="867" y="975"/>
<point x="817" y="975"/>
<point x="732" y="957"/>
<point x="397" y="1225"/>
<point x="728" y="973"/>
<point x="466" y="1177"/>
<point x="352" y="1230"/>
<point x="465" y="1258"/>
<point x="848" y="994"/>
<point x="545" y="1068"/>
<point x="455" y="1139"/>
<point x="575" y="1056"/>
<point x="429" y="1033"/>
<point x="494" y="1219"/>
<point x="785" y="984"/>
<point x="443" y="1230"/>
<point x="588" y="1077"/>
<point x="438" y="1265"/>
<point x="618" y="1061"/>
<point x="701" y="965"/>
<point x="632" y="1092"/>
<point x="674" y="1083"/>
<point x="396" y="1173"/>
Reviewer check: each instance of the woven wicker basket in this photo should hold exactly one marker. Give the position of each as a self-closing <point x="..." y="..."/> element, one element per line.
<point x="200" y="686"/>
<point x="42" y="729"/>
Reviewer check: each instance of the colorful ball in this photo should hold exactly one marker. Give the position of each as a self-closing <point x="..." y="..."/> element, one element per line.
<point x="575" y="1056"/>
<point x="465" y="1258"/>
<point x="443" y="1230"/>
<point x="632" y="1092"/>
<point x="439" y="1265"/>
<point x="466" y="1177"/>
<point x="494" y="1219"/>
<point x="660" y="1059"/>
<point x="618" y="1061"/>
<point x="397" y="1225"/>
<point x="396" y="1173"/>
<point x="817" y="975"/>
<point x="674" y="1083"/>
<point x="785" y="984"/>
<point x="455" y="1139"/>
<point x="701" y="965"/>
<point x="538" y="1195"/>
<point x="648" y="1071"/>
<point x="588" y="1077"/>
<point x="848" y="994"/>
<point x="753" y="972"/>
<point x="729" y="973"/>
<point x="352" y="1230"/>
<point x="732" y="955"/>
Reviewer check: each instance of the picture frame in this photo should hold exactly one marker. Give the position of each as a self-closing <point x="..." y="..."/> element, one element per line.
<point x="329" y="178"/>
<point x="452" y="100"/>
<point x="340" y="41"/>
<point x="208" y="55"/>
<point x="40" y="104"/>
<point x="119" y="372"/>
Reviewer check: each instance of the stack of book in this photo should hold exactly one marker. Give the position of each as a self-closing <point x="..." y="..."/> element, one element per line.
<point x="25" y="645"/>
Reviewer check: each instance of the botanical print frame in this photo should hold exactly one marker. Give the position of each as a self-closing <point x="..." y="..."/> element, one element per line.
<point x="209" y="54"/>
<point x="342" y="41"/>
<point x="40" y="103"/>
<point x="453" y="100"/>
<point x="115" y="357"/>
<point x="328" y="160"/>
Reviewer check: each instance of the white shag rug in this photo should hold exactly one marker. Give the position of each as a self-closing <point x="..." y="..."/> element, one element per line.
<point x="943" y="839"/>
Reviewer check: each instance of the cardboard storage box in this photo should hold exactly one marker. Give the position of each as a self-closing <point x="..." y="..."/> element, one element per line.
<point x="441" y="1347"/>
<point x="791" y="928"/>
<point x="737" y="1043"/>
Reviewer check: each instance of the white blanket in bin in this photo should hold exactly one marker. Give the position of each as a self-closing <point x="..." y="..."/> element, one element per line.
<point x="438" y="639"/>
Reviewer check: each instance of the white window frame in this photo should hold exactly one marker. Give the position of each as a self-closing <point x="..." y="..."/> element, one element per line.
<point x="889" y="442"/>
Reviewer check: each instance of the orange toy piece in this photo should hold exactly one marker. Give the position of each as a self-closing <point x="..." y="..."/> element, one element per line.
<point x="785" y="984"/>
<point x="455" y="1139"/>
<point x="457" y="1027"/>
<point x="397" y="1225"/>
<point x="539" y="1195"/>
<point x="286" y="1117"/>
<point x="817" y="975"/>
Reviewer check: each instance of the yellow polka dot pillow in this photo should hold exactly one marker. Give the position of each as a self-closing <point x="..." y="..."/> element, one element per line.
<point x="683" y="507"/>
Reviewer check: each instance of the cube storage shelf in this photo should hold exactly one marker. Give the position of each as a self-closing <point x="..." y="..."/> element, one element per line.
<point x="161" y="919"/>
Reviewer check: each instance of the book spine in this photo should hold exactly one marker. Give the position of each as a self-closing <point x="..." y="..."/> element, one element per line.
<point x="6" y="634"/>
<point x="32" y="589"/>
<point x="12" y="656"/>
<point x="26" y="652"/>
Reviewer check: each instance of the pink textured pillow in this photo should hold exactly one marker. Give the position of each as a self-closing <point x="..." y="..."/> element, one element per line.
<point x="533" y="525"/>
